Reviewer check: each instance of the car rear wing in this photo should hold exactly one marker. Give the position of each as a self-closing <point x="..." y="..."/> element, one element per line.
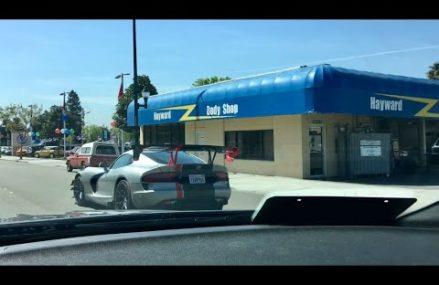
<point x="188" y="147"/>
<point x="212" y="150"/>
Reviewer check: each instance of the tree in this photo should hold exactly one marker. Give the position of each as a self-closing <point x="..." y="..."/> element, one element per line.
<point x="50" y="120"/>
<point x="92" y="132"/>
<point x="11" y="118"/>
<point x="433" y="73"/>
<point x="127" y="137"/>
<point x="74" y="112"/>
<point x="120" y="116"/>
<point x="17" y="118"/>
<point x="206" y="81"/>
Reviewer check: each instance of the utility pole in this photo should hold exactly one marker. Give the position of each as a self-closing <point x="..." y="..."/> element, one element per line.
<point x="83" y="125"/>
<point x="30" y="123"/>
<point x="1" y="130"/>
<point x="64" y="118"/>
<point x="121" y="88"/>
<point x="136" y="150"/>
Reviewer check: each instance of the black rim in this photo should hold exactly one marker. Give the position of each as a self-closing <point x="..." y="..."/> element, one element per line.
<point x="121" y="197"/>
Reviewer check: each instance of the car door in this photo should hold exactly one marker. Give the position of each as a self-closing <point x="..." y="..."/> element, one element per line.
<point x="106" y="183"/>
<point x="44" y="152"/>
<point x="83" y="156"/>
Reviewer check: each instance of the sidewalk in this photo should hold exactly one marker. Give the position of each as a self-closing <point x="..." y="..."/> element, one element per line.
<point x="51" y="162"/>
<point x="263" y="185"/>
<point x="17" y="158"/>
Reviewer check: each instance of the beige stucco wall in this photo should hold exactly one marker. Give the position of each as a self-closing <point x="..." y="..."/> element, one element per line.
<point x="286" y="136"/>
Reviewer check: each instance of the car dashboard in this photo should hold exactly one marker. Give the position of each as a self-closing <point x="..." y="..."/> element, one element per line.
<point x="236" y="238"/>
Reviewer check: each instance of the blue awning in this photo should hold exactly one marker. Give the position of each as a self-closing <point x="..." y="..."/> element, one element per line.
<point x="317" y="89"/>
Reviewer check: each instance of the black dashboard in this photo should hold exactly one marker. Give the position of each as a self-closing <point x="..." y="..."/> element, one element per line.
<point x="238" y="245"/>
<point x="235" y="237"/>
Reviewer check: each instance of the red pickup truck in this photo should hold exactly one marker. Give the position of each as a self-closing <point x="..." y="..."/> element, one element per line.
<point x="91" y="154"/>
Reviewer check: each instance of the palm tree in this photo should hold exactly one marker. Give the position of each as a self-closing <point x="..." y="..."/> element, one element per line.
<point x="433" y="73"/>
<point x="15" y="125"/>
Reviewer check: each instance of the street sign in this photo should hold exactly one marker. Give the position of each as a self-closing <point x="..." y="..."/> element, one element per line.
<point x="22" y="139"/>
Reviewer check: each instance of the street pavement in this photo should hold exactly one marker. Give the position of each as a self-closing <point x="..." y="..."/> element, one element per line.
<point x="34" y="187"/>
<point x="41" y="186"/>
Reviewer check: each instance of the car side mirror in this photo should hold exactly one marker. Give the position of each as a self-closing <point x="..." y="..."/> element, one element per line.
<point x="136" y="152"/>
<point x="104" y="165"/>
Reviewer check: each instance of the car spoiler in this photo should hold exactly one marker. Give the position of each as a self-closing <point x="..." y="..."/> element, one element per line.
<point x="188" y="147"/>
<point x="212" y="150"/>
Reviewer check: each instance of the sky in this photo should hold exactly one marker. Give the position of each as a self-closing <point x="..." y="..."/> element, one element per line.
<point x="39" y="59"/>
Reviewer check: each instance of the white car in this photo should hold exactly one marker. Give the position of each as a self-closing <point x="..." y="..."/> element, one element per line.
<point x="162" y="178"/>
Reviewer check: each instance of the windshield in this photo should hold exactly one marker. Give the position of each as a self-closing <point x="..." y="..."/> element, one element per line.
<point x="221" y="112"/>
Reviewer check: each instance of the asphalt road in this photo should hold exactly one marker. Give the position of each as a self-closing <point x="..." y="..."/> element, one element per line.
<point x="41" y="186"/>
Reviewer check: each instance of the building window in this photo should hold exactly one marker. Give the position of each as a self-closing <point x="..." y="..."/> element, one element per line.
<point x="253" y="145"/>
<point x="171" y="134"/>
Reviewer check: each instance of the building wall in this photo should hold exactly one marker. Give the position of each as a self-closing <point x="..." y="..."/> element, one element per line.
<point x="288" y="146"/>
<point x="286" y="135"/>
<point x="291" y="141"/>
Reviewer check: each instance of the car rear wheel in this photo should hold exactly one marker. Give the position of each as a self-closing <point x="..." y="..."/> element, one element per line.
<point x="37" y="155"/>
<point x="122" y="199"/>
<point x="82" y="165"/>
<point x="78" y="191"/>
<point x="69" y="167"/>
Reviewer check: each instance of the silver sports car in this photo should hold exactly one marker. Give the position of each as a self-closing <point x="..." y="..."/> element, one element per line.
<point x="162" y="178"/>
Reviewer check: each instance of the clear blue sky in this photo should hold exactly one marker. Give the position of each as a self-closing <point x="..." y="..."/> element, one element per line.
<point x="40" y="59"/>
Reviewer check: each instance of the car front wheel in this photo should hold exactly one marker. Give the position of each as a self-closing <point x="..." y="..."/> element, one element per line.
<point x="122" y="198"/>
<point x="69" y="167"/>
<point x="78" y="191"/>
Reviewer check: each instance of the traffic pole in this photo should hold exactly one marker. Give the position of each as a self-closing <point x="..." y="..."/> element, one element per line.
<point x="64" y="126"/>
<point x="122" y="148"/>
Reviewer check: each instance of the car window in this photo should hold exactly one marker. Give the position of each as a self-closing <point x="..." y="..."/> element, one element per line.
<point x="122" y="161"/>
<point x="105" y="149"/>
<point x="85" y="150"/>
<point x="182" y="157"/>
